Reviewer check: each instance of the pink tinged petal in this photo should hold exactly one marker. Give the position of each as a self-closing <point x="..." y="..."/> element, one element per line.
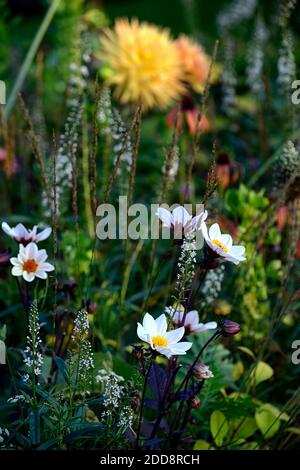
<point x="149" y="325"/>
<point x="181" y="216"/>
<point x="7" y="229"/>
<point x="214" y="232"/>
<point x="32" y="233"/>
<point x="41" y="274"/>
<point x="175" y="335"/>
<point x="31" y="251"/>
<point x="212" y="325"/>
<point x="43" y="235"/>
<point x="17" y="271"/>
<point x="46" y="267"/>
<point x="21" y="233"/>
<point x="29" y="277"/>
<point x="177" y="317"/>
<point x="165" y="216"/>
<point x="192" y="318"/>
<point x="41" y="256"/>
<point x="204" y="231"/>
<point x="161" y="324"/>
<point x="199" y="219"/>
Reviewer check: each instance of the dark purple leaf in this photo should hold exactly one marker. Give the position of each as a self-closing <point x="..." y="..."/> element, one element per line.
<point x="157" y="382"/>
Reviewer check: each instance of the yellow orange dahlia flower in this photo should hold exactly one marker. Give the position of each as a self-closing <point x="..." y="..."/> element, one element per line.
<point x="143" y="63"/>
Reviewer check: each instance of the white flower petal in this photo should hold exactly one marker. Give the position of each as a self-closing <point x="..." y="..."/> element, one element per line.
<point x="181" y="216"/>
<point x="165" y="216"/>
<point x="226" y="239"/>
<point x="43" y="235"/>
<point x="41" y="256"/>
<point x="46" y="267"/>
<point x="31" y="251"/>
<point x="29" y="277"/>
<point x="161" y="325"/>
<point x="6" y="228"/>
<point x="175" y="335"/>
<point x="181" y="348"/>
<point x="149" y="325"/>
<point x="41" y="274"/>
<point x="17" y="271"/>
<point x="214" y="232"/>
<point x="141" y="332"/>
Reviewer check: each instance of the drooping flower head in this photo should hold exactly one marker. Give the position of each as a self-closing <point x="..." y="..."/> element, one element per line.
<point x="191" y="322"/>
<point x="143" y="63"/>
<point x="180" y="220"/>
<point x="194" y="62"/>
<point x="222" y="245"/>
<point x="31" y="263"/>
<point x="202" y="371"/>
<point x="24" y="236"/>
<point x="154" y="332"/>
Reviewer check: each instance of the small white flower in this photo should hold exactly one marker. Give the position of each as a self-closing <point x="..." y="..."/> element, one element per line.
<point x="22" y="235"/>
<point x="30" y="263"/>
<point x="222" y="244"/>
<point x="180" y="220"/>
<point x="154" y="332"/>
<point x="191" y="322"/>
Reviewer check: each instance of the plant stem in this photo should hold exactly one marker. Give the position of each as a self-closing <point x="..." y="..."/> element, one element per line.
<point x="30" y="56"/>
<point x="142" y="405"/>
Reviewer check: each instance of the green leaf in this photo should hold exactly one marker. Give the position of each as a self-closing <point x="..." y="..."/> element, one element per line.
<point x="62" y="367"/>
<point x="202" y="445"/>
<point x="247" y="351"/>
<point x="34" y="426"/>
<point x="267" y="422"/>
<point x="245" y="427"/>
<point x="261" y="372"/>
<point x="219" y="427"/>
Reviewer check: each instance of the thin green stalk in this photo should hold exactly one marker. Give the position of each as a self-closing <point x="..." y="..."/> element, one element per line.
<point x="30" y="56"/>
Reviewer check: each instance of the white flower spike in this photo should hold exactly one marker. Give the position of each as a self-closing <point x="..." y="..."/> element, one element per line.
<point x="22" y="235"/>
<point x="180" y="219"/>
<point x="31" y="263"/>
<point x="222" y="244"/>
<point x="154" y="332"/>
<point x="191" y="322"/>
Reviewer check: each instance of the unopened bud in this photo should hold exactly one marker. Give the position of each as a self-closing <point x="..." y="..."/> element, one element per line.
<point x="195" y="403"/>
<point x="138" y="353"/>
<point x="230" y="328"/>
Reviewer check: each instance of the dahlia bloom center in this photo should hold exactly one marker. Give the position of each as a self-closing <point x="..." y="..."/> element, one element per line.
<point x="220" y="245"/>
<point x="159" y="341"/>
<point x="30" y="266"/>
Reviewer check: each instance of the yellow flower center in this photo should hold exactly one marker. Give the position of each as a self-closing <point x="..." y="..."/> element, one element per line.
<point x="30" y="266"/>
<point x="220" y="245"/>
<point x="159" y="341"/>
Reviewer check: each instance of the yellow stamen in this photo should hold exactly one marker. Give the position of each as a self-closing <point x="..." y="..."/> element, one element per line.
<point x="30" y="266"/>
<point x="220" y="245"/>
<point x="159" y="341"/>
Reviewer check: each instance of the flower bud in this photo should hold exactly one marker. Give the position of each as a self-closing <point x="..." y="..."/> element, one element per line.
<point x="138" y="353"/>
<point x="195" y="403"/>
<point x="230" y="328"/>
<point x="202" y="371"/>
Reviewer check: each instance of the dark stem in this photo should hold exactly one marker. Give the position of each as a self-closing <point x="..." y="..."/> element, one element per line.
<point x="142" y="405"/>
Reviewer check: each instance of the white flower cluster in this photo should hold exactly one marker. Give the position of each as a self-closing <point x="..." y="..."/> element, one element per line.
<point x="186" y="264"/>
<point x="126" y="417"/>
<point x="172" y="170"/>
<point x="4" y="433"/>
<point x="33" y="357"/>
<point x="112" y="393"/>
<point x="68" y="143"/>
<point x="16" y="399"/>
<point x="286" y="65"/>
<point x="255" y="58"/>
<point x="286" y="8"/>
<point x="212" y="285"/>
<point x="228" y="79"/>
<point x="85" y="355"/>
<point x="235" y="13"/>
<point x="112" y="124"/>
